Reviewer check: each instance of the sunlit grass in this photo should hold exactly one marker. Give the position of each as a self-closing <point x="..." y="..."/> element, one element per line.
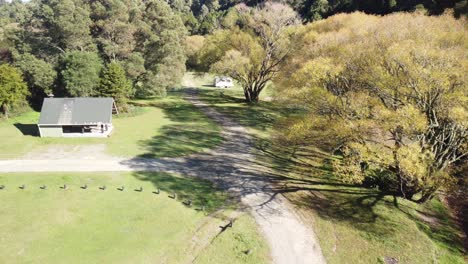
<point x="162" y="127"/>
<point x="110" y="226"/>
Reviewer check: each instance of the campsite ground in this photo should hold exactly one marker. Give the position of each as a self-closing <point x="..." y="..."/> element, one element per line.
<point x="353" y="224"/>
<point x="110" y="226"/>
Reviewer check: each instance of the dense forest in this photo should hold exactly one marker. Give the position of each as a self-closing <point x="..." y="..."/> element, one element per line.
<point x="387" y="93"/>
<point x="70" y="48"/>
<point x="88" y="48"/>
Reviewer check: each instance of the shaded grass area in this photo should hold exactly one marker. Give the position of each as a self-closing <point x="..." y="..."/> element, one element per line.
<point x="361" y="225"/>
<point x="354" y="224"/>
<point x="190" y="130"/>
<point x="200" y="192"/>
<point x="165" y="127"/>
<point x="110" y="226"/>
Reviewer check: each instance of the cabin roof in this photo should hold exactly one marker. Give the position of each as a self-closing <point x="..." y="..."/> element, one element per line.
<point x="76" y="111"/>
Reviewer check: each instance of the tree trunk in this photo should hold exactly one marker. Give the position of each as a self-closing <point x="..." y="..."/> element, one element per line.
<point x="247" y="95"/>
<point x="427" y="195"/>
<point x="5" y="110"/>
<point x="253" y="99"/>
<point x="251" y="96"/>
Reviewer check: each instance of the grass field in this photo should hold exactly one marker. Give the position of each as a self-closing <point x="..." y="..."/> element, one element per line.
<point x="353" y="224"/>
<point x="166" y="127"/>
<point x="111" y="226"/>
<point x="257" y="118"/>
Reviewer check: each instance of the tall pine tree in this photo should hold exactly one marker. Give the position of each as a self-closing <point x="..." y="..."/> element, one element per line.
<point x="114" y="84"/>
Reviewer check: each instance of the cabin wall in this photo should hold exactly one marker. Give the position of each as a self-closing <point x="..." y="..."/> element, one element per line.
<point x="50" y="131"/>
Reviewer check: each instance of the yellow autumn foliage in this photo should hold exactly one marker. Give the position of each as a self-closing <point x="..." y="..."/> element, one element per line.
<point x="389" y="91"/>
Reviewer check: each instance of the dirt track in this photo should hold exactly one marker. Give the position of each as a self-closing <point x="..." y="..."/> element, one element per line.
<point x="231" y="166"/>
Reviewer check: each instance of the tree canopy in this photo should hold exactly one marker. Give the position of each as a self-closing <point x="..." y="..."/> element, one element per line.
<point x="389" y="93"/>
<point x="252" y="54"/>
<point x="60" y="46"/>
<point x="13" y="90"/>
<point x="114" y="84"/>
<point x="80" y="73"/>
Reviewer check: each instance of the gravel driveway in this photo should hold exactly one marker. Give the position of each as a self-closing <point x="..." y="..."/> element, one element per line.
<point x="231" y="166"/>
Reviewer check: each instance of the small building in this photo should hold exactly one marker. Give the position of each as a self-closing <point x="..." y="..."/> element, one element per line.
<point x="76" y="117"/>
<point x="223" y="82"/>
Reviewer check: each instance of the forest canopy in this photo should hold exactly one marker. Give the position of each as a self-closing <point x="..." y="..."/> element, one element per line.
<point x="55" y="42"/>
<point x="63" y="47"/>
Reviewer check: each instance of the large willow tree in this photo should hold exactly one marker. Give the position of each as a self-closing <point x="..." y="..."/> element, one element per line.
<point x="389" y="92"/>
<point x="252" y="54"/>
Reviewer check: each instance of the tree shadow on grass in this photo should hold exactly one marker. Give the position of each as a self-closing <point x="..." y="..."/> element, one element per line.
<point x="436" y="222"/>
<point x="354" y="208"/>
<point x="200" y="192"/>
<point x="273" y="171"/>
<point x="279" y="172"/>
<point x="193" y="131"/>
<point x="365" y="209"/>
<point x="311" y="184"/>
<point x="281" y="181"/>
<point x="27" y="129"/>
<point x="180" y="140"/>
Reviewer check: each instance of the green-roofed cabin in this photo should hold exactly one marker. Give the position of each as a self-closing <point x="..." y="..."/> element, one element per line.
<point x="76" y="117"/>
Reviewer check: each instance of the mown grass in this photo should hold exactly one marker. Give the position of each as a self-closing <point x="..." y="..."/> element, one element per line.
<point x="353" y="224"/>
<point x="239" y="244"/>
<point x="190" y="130"/>
<point x="111" y="226"/>
<point x="165" y="127"/>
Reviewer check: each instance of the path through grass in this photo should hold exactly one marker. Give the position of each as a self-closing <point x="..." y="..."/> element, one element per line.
<point x="354" y="224"/>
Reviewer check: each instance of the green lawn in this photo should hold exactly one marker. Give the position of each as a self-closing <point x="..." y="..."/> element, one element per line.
<point x="257" y="118"/>
<point x="353" y="224"/>
<point x="111" y="226"/>
<point x="239" y="244"/>
<point x="166" y="127"/>
<point x="190" y="130"/>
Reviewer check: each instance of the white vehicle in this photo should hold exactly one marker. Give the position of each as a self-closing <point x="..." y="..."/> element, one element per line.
<point x="223" y="82"/>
